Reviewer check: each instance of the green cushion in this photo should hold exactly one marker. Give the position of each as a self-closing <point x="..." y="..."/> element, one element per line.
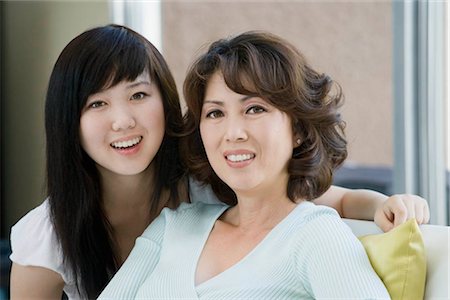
<point x="398" y="257"/>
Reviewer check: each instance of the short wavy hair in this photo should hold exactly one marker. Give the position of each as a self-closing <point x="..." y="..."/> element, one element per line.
<point x="261" y="64"/>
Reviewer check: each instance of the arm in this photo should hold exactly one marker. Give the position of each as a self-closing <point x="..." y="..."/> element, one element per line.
<point x="35" y="283"/>
<point x="352" y="204"/>
<point x="37" y="270"/>
<point x="387" y="212"/>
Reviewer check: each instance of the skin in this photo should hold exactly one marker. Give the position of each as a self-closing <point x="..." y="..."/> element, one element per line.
<point x="120" y="113"/>
<point x="133" y="109"/>
<point x="234" y="124"/>
<point x="387" y="212"/>
<point x="128" y="112"/>
<point x="228" y="128"/>
<point x="35" y="283"/>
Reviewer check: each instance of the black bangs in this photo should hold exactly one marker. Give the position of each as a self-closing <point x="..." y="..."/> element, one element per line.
<point x="113" y="55"/>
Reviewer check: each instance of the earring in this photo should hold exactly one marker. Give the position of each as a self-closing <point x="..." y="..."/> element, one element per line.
<point x="298" y="141"/>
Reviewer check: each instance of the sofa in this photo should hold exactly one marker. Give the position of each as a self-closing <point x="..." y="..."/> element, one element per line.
<point x="437" y="248"/>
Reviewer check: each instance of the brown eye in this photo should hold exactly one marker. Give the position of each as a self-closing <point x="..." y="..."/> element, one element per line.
<point x="256" y="109"/>
<point x="214" y="114"/>
<point x="96" y="104"/>
<point x="138" y="96"/>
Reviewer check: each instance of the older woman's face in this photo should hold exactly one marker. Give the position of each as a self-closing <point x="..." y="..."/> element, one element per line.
<point x="248" y="141"/>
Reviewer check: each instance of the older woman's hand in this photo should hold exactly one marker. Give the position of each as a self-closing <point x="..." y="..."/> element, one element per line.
<point x="397" y="209"/>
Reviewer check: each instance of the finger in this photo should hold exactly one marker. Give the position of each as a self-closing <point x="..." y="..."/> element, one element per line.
<point x="419" y="210"/>
<point x="426" y="213"/>
<point x="388" y="213"/>
<point x="383" y="222"/>
<point x="410" y="205"/>
<point x="399" y="217"/>
<point x="399" y="210"/>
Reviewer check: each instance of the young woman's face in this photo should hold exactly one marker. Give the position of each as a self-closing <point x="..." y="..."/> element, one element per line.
<point x="248" y="141"/>
<point x="122" y="127"/>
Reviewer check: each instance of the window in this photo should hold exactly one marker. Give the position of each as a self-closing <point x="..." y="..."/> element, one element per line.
<point x="420" y="134"/>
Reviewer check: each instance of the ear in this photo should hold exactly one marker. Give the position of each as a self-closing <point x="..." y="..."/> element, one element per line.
<point x="297" y="141"/>
<point x="296" y="136"/>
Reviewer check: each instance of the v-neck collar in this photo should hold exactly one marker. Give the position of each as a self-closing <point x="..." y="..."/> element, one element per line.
<point x="260" y="245"/>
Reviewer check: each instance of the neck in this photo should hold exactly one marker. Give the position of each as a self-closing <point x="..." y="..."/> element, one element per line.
<point x="127" y="205"/>
<point x="127" y="197"/>
<point x="256" y="211"/>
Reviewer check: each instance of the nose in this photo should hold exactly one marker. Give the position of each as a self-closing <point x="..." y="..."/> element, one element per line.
<point x="236" y="130"/>
<point x="123" y="119"/>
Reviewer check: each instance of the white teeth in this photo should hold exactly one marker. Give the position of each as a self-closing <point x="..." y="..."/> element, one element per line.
<point x="240" y="157"/>
<point x="127" y="144"/>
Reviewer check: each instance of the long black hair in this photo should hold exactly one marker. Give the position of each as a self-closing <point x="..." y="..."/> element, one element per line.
<point x="96" y="59"/>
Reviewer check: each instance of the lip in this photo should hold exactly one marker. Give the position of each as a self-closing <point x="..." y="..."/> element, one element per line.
<point x="128" y="150"/>
<point x="239" y="164"/>
<point x="127" y="138"/>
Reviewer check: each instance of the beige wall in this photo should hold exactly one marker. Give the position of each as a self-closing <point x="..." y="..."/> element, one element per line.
<point x="33" y="33"/>
<point x="349" y="40"/>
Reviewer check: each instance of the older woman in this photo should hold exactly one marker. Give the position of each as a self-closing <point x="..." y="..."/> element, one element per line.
<point x="264" y="130"/>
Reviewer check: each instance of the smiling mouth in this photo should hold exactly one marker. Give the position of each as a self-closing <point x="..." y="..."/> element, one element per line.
<point x="240" y="157"/>
<point x="126" y="144"/>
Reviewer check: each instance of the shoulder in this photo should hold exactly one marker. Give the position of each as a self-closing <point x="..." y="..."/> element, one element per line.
<point x="196" y="209"/>
<point x="34" y="241"/>
<point x="199" y="192"/>
<point x="35" y="225"/>
<point x="39" y="214"/>
<point x="320" y="234"/>
<point x="185" y="216"/>
<point x="308" y="212"/>
<point x="324" y="250"/>
<point x="320" y="225"/>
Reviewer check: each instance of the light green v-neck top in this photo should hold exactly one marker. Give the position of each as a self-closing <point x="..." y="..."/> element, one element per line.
<point x="310" y="254"/>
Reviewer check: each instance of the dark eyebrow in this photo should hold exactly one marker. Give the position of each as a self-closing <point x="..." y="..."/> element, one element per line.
<point x="137" y="83"/>
<point x="214" y="102"/>
<point x="243" y="99"/>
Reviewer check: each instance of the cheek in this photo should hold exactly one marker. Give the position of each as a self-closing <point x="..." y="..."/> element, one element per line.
<point x="153" y="118"/>
<point x="282" y="136"/>
<point x="88" y="131"/>
<point x="207" y="137"/>
<point x="203" y="135"/>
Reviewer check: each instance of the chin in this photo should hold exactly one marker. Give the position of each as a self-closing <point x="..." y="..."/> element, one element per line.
<point x="130" y="170"/>
<point x="241" y="186"/>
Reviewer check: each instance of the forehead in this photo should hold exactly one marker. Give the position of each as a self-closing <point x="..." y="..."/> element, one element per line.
<point x="113" y="80"/>
<point x="217" y="91"/>
<point x="217" y="87"/>
<point x="216" y="83"/>
<point x="240" y="81"/>
<point x="143" y="76"/>
<point x="140" y="81"/>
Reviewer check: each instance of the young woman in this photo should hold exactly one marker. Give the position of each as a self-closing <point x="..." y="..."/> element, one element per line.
<point x="263" y="129"/>
<point x="113" y="121"/>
